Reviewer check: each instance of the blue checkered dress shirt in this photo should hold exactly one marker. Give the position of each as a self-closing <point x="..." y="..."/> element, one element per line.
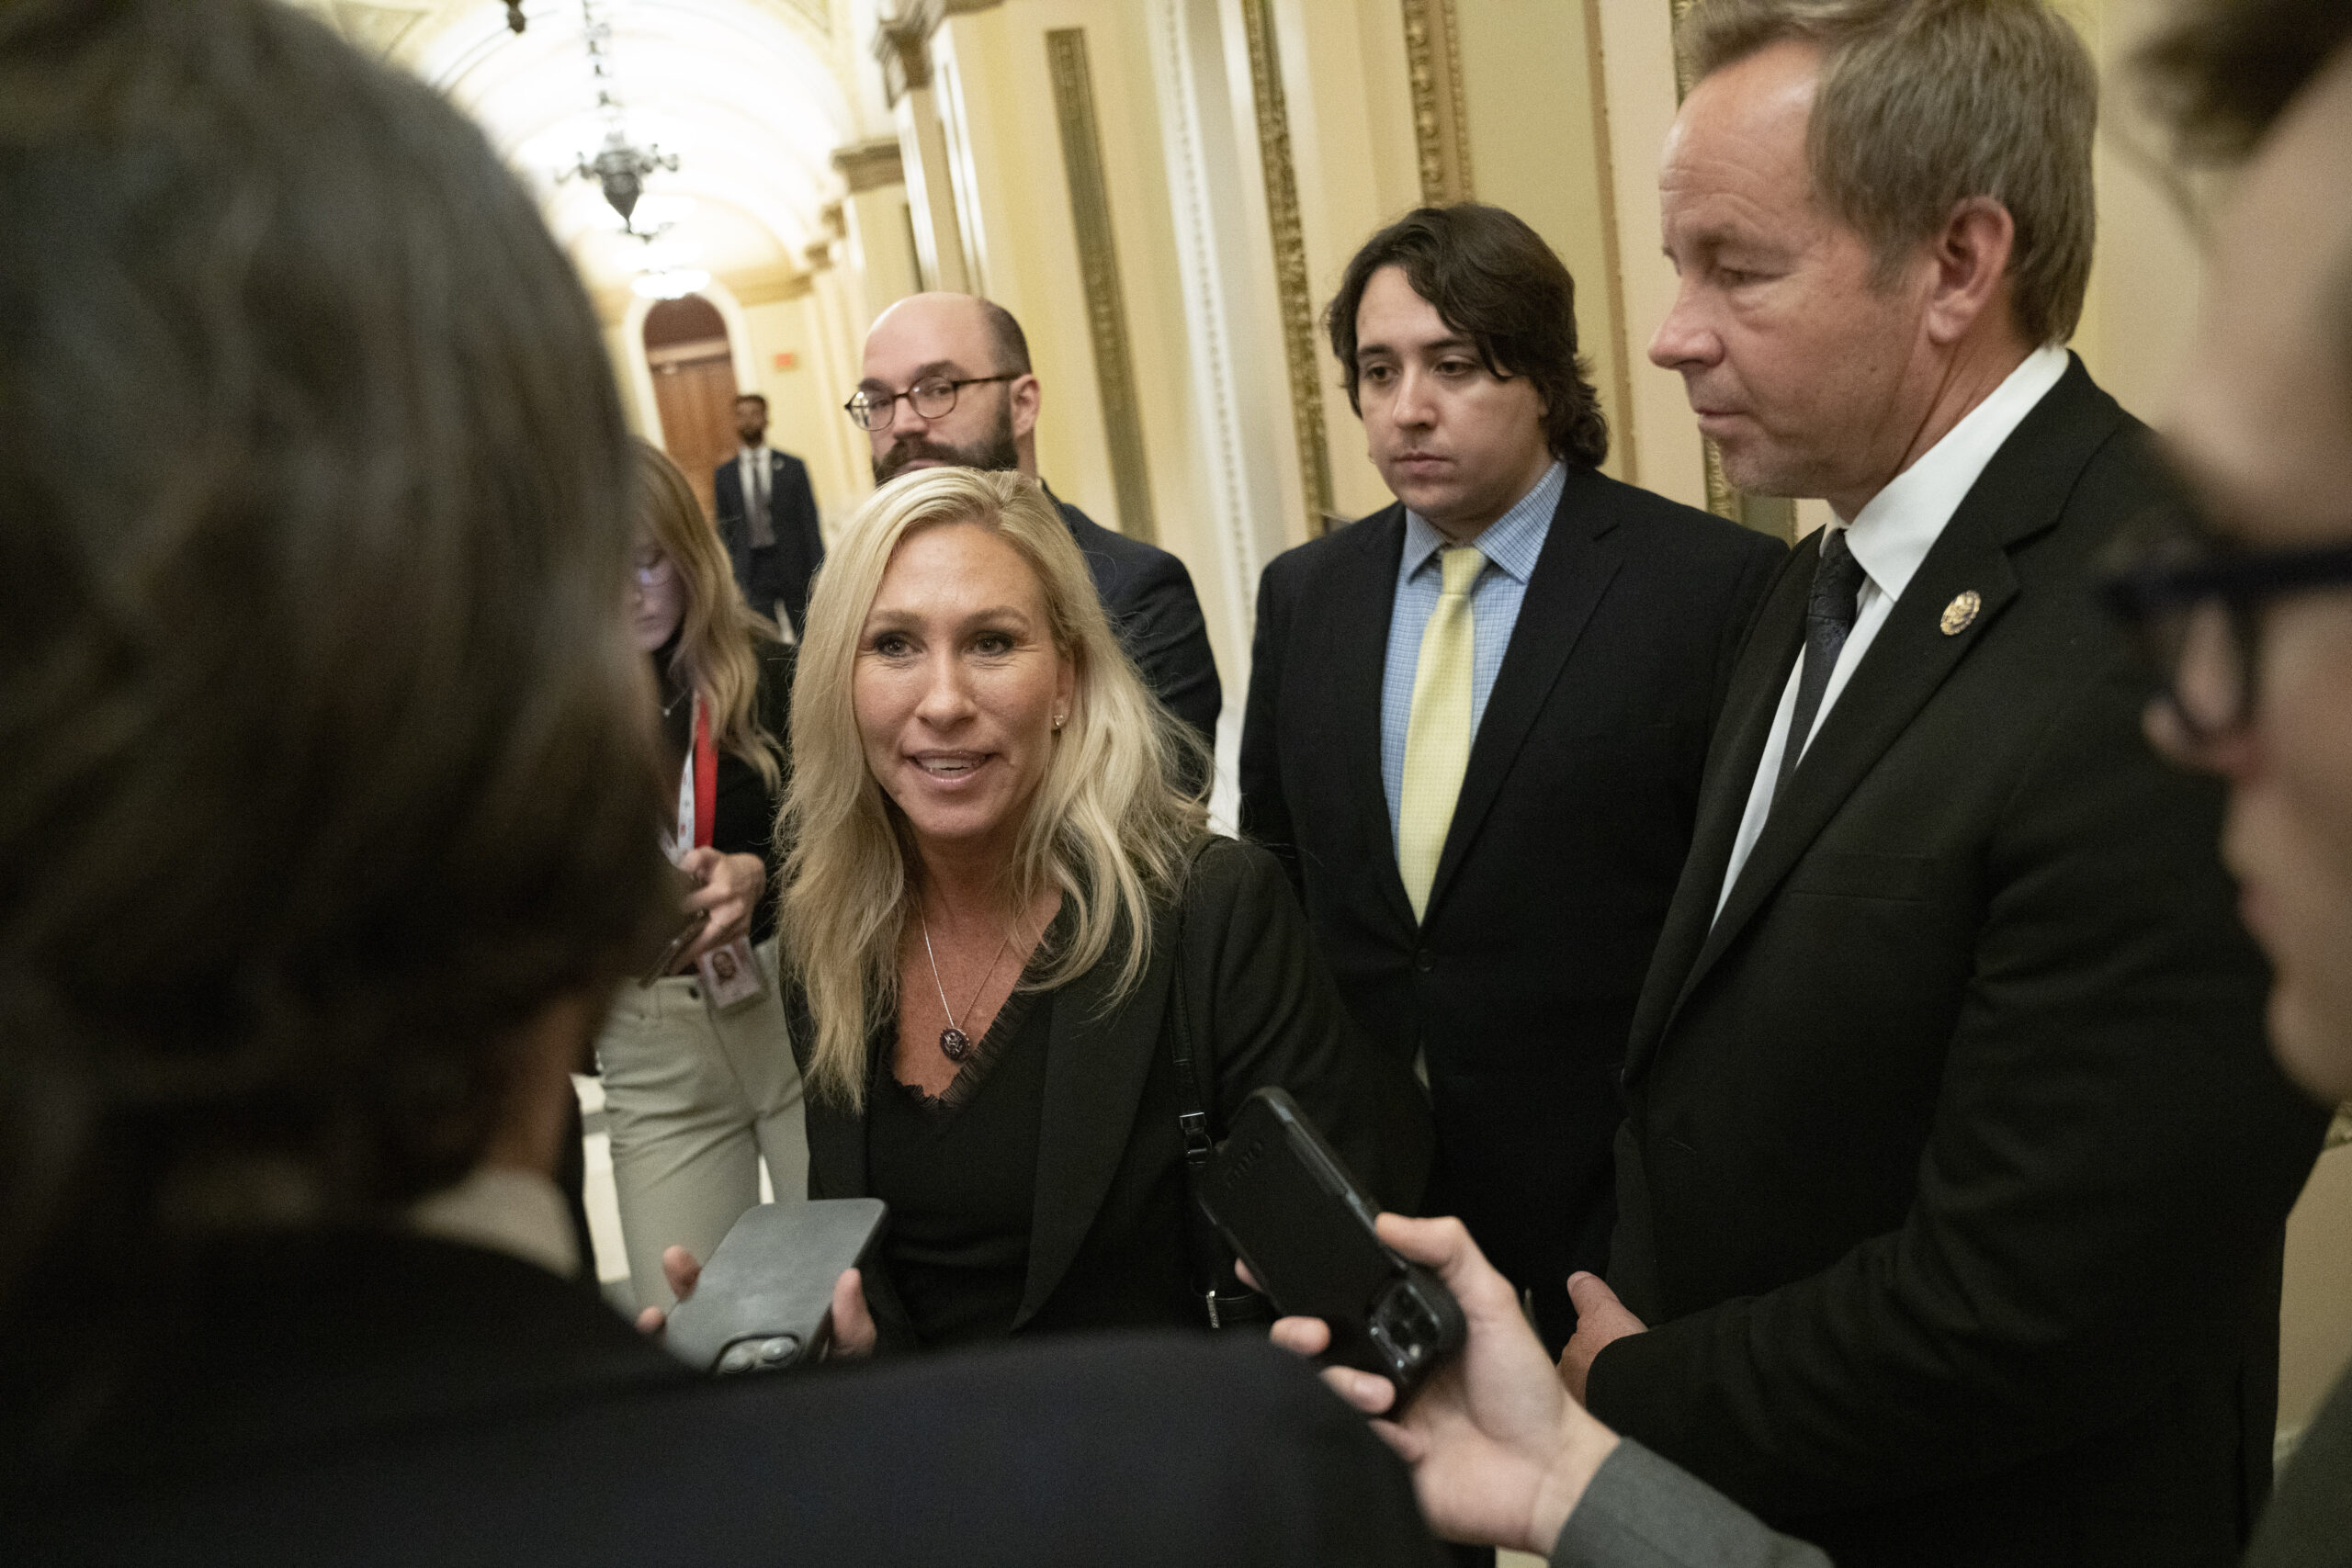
<point x="1511" y="544"/>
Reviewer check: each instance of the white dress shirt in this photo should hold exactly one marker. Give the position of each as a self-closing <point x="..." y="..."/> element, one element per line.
<point x="520" y="1213"/>
<point x="1890" y="538"/>
<point x="752" y="466"/>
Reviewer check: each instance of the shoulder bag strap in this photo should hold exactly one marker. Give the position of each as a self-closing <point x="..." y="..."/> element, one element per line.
<point x="1227" y="1302"/>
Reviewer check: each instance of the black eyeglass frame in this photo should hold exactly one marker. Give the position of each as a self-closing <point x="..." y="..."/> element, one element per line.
<point x="886" y="409"/>
<point x="2155" y="597"/>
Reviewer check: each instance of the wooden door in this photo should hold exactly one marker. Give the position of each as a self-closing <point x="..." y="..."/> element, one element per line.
<point x="696" y="400"/>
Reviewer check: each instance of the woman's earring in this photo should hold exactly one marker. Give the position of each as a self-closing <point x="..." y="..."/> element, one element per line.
<point x="1058" y="721"/>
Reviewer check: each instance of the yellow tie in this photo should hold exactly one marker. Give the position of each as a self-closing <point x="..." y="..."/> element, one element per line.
<point x="1437" y="739"/>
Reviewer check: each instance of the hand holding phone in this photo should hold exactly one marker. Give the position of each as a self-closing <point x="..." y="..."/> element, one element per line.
<point x="763" y="1302"/>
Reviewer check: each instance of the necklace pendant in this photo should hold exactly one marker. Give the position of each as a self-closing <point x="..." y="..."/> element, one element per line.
<point x="955" y="1044"/>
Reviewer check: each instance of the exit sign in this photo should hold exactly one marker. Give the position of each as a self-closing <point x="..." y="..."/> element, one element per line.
<point x="787" y="360"/>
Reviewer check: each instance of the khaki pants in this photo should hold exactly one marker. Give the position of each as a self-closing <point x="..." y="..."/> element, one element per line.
<point x="694" y="1102"/>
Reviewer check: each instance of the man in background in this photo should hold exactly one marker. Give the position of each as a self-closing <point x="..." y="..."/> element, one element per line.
<point x="946" y="381"/>
<point x="1476" y="722"/>
<point x="1954" y="1174"/>
<point x="768" y="519"/>
<point x="325" y="839"/>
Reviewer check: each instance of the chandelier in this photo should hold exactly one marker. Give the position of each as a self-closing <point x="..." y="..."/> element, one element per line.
<point x="620" y="167"/>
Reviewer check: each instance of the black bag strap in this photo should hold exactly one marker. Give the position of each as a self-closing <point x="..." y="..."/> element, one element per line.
<point x="1227" y="1301"/>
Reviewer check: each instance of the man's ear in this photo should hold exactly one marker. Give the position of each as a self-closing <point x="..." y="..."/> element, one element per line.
<point x="1971" y="259"/>
<point x="1028" y="397"/>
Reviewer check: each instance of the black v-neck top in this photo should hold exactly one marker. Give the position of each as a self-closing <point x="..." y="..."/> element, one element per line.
<point x="960" y="1175"/>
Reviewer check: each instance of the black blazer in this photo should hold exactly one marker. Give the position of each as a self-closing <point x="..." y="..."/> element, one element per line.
<point x="1955" y="1169"/>
<point x="1571" y="827"/>
<point x="780" y="572"/>
<point x="1108" y="1248"/>
<point x="384" y="1399"/>
<point x="1148" y="596"/>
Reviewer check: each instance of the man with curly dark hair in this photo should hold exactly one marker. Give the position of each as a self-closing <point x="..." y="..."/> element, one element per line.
<point x="1477" y="723"/>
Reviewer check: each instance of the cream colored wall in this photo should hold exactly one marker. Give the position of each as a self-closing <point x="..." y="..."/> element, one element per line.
<point x="1535" y="149"/>
<point x="1031" y="260"/>
<point x="1352" y="146"/>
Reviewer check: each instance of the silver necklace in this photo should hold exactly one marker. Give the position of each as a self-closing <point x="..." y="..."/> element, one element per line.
<point x="952" y="1042"/>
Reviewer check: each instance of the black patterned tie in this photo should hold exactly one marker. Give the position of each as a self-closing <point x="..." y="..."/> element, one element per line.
<point x="1828" y="617"/>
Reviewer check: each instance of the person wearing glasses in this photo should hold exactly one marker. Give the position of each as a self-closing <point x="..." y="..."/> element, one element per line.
<point x="1953" y="1177"/>
<point x="2244" y="599"/>
<point x="946" y="381"/>
<point x="700" y="1086"/>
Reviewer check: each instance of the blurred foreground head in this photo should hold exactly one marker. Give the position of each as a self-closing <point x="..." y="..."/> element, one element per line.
<point x="2250" y="594"/>
<point x="324" y="776"/>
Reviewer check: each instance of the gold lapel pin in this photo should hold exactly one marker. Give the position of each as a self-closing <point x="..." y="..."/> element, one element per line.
<point x="1962" y="612"/>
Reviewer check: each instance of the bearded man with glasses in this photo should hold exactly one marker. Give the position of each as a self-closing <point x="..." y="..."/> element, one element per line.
<point x="947" y="383"/>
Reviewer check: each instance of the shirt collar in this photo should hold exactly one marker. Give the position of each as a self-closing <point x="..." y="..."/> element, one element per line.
<point x="1512" y="541"/>
<point x="519" y="1213"/>
<point x="1893" y="534"/>
<point x="750" y="452"/>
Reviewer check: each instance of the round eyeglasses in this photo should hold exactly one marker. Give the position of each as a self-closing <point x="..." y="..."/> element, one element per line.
<point x="933" y="397"/>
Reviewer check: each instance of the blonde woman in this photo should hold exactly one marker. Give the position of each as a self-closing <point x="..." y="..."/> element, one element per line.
<point x="989" y="873"/>
<point x="699" y="1081"/>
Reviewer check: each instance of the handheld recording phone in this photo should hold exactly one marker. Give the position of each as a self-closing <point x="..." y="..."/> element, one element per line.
<point x="764" y="1301"/>
<point x="1296" y="1215"/>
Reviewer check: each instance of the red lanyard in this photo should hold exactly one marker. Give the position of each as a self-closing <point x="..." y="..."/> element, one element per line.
<point x="698" y="791"/>
<point x="706" y="777"/>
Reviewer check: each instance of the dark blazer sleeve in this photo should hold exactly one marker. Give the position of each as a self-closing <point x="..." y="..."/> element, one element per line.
<point x="1275" y="1019"/>
<point x="1265" y="811"/>
<point x="1164" y="632"/>
<point x="795" y="509"/>
<point x="727" y="501"/>
<point x="1760" y="565"/>
<point x="2104" y="1126"/>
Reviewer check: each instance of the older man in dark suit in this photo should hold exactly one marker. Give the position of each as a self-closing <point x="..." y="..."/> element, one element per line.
<point x="330" y="828"/>
<point x="1476" y="721"/>
<point x="947" y="380"/>
<point x="1953" y="1177"/>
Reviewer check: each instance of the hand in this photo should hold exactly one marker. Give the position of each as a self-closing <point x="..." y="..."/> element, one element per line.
<point x="1500" y="1453"/>
<point x="681" y="1273"/>
<point x="1602" y="1320"/>
<point x="852" y="1325"/>
<point x="728" y="889"/>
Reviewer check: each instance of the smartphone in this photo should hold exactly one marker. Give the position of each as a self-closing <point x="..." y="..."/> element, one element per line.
<point x="765" y="1298"/>
<point x="1303" y="1224"/>
<point x="678" y="945"/>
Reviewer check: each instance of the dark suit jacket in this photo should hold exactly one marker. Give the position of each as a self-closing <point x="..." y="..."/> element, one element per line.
<point x="365" y="1399"/>
<point x="1571" y="827"/>
<point x="1108" y="1248"/>
<point x="1148" y="596"/>
<point x="782" y="571"/>
<point x="1955" y="1169"/>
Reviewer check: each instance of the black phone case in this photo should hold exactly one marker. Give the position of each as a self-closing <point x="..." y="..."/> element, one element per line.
<point x="766" y="1298"/>
<point x="1303" y="1224"/>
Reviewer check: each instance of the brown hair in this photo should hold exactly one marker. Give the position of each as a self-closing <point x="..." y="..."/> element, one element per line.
<point x="718" y="639"/>
<point x="1924" y="104"/>
<point x="328" y="765"/>
<point x="1493" y="279"/>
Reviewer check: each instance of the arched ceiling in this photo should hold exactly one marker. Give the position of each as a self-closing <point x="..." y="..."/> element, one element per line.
<point x="751" y="97"/>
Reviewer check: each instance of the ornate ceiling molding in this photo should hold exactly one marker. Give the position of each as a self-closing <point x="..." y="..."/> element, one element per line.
<point x="870" y="165"/>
